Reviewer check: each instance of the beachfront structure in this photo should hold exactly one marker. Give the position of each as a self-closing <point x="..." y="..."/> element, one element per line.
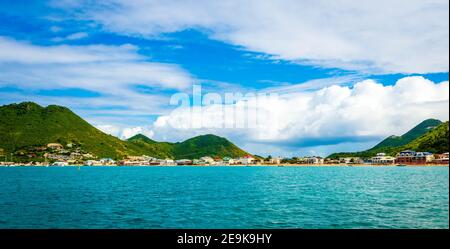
<point x="246" y="160"/>
<point x="275" y="160"/>
<point x="412" y="157"/>
<point x="207" y="160"/>
<point x="441" y="158"/>
<point x="351" y="160"/>
<point x="331" y="161"/>
<point x="314" y="160"/>
<point x="184" y="162"/>
<point x="423" y="157"/>
<point x="60" y="164"/>
<point x="93" y="163"/>
<point x="167" y="161"/>
<point x="381" y="158"/>
<point x="228" y="160"/>
<point x="107" y="161"/>
<point x="405" y="157"/>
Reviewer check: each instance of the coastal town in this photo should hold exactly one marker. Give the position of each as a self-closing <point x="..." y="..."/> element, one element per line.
<point x="56" y="154"/>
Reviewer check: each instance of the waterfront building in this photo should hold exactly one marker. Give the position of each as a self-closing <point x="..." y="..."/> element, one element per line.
<point x="184" y="162"/>
<point x="381" y="158"/>
<point x="405" y="157"/>
<point x="168" y="161"/>
<point x="246" y="160"/>
<point x="423" y="158"/>
<point x="207" y="160"/>
<point x="441" y="158"/>
<point x="275" y="160"/>
<point x="93" y="163"/>
<point x="314" y="160"/>
<point x="60" y="164"/>
<point x="228" y="160"/>
<point x="412" y="157"/>
<point x="351" y="160"/>
<point x="107" y="161"/>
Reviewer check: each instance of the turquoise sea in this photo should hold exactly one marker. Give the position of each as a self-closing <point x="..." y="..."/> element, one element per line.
<point x="224" y="197"/>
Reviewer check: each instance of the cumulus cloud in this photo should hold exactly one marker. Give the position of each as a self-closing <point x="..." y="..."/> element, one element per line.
<point x="371" y="36"/>
<point x="365" y="112"/>
<point x="129" y="132"/>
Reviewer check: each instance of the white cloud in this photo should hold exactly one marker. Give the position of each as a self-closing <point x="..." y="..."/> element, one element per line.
<point x="125" y="132"/>
<point x="378" y="36"/>
<point x="111" y="71"/>
<point x="13" y="51"/>
<point x="110" y="129"/>
<point x="71" y="37"/>
<point x="364" y="113"/>
<point x="129" y="132"/>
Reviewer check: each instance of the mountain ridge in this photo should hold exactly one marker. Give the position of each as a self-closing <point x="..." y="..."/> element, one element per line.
<point x="28" y="125"/>
<point x="430" y="135"/>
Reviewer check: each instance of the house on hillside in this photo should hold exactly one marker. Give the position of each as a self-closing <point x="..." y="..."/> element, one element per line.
<point x="55" y="146"/>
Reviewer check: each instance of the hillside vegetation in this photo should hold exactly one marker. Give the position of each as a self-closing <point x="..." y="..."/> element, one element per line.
<point x="27" y="125"/>
<point x="430" y="135"/>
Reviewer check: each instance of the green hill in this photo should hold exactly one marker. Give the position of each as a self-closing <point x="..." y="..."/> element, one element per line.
<point x="434" y="141"/>
<point x="152" y="148"/>
<point x="419" y="130"/>
<point x="26" y="126"/>
<point x="205" y="145"/>
<point x="430" y="135"/>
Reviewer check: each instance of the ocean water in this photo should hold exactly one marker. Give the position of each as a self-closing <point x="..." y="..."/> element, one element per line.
<point x="224" y="197"/>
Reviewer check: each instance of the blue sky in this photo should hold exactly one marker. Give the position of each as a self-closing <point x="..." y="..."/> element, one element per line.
<point x="117" y="63"/>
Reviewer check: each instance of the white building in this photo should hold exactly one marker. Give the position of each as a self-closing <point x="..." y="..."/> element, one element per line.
<point x="229" y="160"/>
<point x="275" y="160"/>
<point x="168" y="161"/>
<point x="93" y="163"/>
<point x="207" y="160"/>
<point x="381" y="158"/>
<point x="246" y="160"/>
<point x="107" y="161"/>
<point x="60" y="164"/>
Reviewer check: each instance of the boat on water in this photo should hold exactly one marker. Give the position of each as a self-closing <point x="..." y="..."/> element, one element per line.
<point x="401" y="165"/>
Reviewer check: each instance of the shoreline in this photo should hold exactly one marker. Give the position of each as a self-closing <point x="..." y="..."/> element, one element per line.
<point x="231" y="166"/>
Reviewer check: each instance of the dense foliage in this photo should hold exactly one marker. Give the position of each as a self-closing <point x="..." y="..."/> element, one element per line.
<point x="205" y="145"/>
